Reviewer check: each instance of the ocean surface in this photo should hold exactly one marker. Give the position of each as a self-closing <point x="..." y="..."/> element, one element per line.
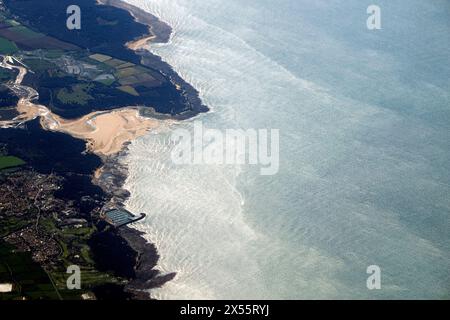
<point x="364" y="119"/>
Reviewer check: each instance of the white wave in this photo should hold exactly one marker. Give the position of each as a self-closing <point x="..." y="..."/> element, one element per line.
<point x="350" y="169"/>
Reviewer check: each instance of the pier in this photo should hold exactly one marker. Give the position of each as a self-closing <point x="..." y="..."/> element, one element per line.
<point x="120" y="217"/>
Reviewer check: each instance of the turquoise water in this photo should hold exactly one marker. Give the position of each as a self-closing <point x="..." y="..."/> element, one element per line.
<point x="364" y="119"/>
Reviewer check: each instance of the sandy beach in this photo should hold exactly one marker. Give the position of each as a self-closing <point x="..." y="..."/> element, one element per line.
<point x="138" y="44"/>
<point x="106" y="132"/>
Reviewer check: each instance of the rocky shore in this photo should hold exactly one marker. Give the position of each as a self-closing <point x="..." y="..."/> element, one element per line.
<point x="111" y="178"/>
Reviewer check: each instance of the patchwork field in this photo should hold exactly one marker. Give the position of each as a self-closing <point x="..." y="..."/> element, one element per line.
<point x="131" y="77"/>
<point x="27" y="39"/>
<point x="27" y="277"/>
<point x="94" y="70"/>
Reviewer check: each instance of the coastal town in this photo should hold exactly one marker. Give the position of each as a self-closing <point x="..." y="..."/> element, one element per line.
<point x="53" y="231"/>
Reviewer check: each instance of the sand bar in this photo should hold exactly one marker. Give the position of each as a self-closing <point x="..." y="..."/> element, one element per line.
<point x="106" y="132"/>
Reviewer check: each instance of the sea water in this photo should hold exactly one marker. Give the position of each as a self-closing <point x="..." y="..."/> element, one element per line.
<point x="364" y="179"/>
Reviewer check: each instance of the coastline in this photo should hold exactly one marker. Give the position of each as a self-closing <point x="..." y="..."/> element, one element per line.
<point x="159" y="32"/>
<point x="95" y="129"/>
<point x="112" y="175"/>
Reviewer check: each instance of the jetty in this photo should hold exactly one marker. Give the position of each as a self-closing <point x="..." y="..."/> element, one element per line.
<point x="119" y="217"/>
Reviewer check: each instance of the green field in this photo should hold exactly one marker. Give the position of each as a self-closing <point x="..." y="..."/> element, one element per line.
<point x="29" y="279"/>
<point x="77" y="94"/>
<point x="129" y="90"/>
<point x="11" y="225"/>
<point x="53" y="53"/>
<point x="26" y="32"/>
<point x="107" y="82"/>
<point x="100" y="57"/>
<point x="39" y="65"/>
<point x="127" y="72"/>
<point x="7" y="47"/>
<point x="10" y="162"/>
